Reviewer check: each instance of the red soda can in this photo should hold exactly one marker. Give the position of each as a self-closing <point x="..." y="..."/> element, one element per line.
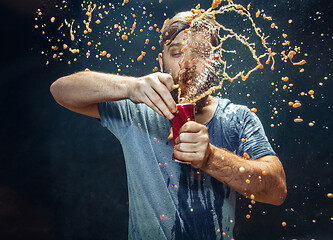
<point x="185" y="113"/>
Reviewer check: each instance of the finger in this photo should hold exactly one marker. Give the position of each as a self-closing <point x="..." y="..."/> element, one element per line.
<point x="164" y="93"/>
<point x="191" y="126"/>
<point x="159" y="103"/>
<point x="167" y="80"/>
<point x="148" y="102"/>
<point x="185" y="156"/>
<point x="186" y="147"/>
<point x="186" y="137"/>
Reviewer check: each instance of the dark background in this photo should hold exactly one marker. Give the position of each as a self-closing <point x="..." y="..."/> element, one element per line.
<point x="62" y="176"/>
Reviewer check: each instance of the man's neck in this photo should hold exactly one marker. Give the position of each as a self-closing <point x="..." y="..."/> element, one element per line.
<point x="204" y="114"/>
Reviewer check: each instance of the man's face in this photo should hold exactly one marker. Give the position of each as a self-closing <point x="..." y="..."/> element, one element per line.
<point x="197" y="49"/>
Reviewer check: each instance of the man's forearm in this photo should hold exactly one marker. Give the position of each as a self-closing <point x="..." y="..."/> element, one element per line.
<point x="262" y="179"/>
<point x="80" y="92"/>
<point x="85" y="88"/>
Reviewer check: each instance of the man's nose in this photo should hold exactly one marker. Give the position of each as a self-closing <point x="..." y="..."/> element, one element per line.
<point x="189" y="63"/>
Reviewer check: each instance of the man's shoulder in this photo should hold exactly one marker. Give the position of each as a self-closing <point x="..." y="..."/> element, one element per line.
<point x="228" y="107"/>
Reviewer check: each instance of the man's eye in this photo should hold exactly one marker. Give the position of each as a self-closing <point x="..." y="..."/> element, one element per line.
<point x="176" y="54"/>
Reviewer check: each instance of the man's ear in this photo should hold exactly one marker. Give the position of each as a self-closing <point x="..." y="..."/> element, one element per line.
<point x="160" y="60"/>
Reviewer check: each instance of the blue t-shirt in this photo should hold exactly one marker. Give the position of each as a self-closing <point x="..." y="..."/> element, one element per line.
<point x="170" y="200"/>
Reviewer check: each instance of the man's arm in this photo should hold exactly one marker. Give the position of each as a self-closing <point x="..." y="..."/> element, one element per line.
<point x="264" y="178"/>
<point x="81" y="92"/>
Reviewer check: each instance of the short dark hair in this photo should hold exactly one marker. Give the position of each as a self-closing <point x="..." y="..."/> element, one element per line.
<point x="181" y="21"/>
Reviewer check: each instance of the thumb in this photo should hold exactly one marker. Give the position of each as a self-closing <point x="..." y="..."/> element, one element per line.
<point x="170" y="135"/>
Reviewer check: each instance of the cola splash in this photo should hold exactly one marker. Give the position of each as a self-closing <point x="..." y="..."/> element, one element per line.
<point x="203" y="67"/>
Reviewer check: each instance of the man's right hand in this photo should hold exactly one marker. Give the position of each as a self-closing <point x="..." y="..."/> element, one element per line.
<point x="81" y="92"/>
<point x="154" y="91"/>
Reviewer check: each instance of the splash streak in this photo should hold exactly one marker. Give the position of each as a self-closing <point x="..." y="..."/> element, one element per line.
<point x="201" y="75"/>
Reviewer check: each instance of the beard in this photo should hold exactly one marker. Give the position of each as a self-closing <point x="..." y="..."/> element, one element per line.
<point x="199" y="105"/>
<point x="174" y="94"/>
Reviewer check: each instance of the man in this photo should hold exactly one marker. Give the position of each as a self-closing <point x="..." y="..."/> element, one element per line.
<point x="169" y="200"/>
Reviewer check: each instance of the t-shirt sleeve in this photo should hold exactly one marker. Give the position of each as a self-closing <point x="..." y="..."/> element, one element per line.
<point x="116" y="116"/>
<point x="252" y="137"/>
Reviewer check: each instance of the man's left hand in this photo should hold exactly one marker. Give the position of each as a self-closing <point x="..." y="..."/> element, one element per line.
<point x="193" y="145"/>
